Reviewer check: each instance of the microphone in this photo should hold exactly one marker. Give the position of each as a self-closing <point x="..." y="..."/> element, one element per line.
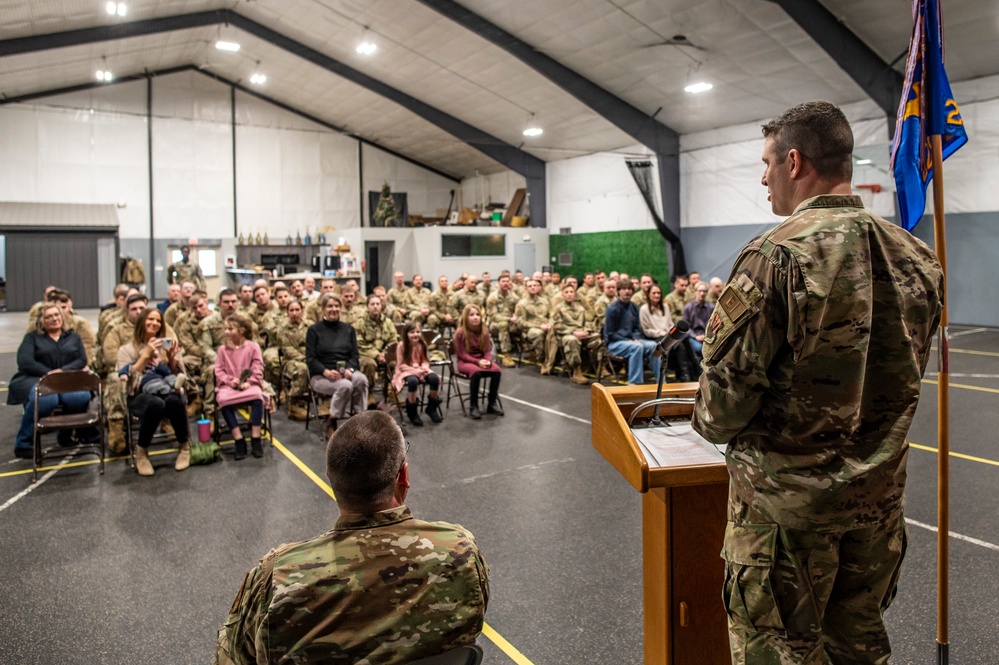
<point x="676" y="335"/>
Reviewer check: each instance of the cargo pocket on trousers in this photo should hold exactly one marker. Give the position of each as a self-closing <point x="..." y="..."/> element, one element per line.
<point x="750" y="552"/>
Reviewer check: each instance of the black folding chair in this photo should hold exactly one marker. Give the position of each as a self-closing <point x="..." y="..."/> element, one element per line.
<point x="54" y="383"/>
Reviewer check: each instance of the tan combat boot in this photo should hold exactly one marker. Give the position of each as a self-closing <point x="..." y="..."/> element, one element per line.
<point x="183" y="457"/>
<point x="142" y="464"/>
<point x="116" y="436"/>
<point x="298" y="411"/>
<point x="508" y="360"/>
<point x="577" y="377"/>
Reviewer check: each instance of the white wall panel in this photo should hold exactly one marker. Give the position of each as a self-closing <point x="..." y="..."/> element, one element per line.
<point x="595" y="193"/>
<point x="492" y="188"/>
<point x="427" y="193"/>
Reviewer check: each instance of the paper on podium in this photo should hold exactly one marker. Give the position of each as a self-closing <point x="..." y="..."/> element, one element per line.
<point x="677" y="445"/>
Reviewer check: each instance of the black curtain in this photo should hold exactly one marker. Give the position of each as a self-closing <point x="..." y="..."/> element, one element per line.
<point x="401" y="207"/>
<point x="645" y="177"/>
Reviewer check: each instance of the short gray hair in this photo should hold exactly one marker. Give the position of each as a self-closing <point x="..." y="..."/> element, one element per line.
<point x="363" y="459"/>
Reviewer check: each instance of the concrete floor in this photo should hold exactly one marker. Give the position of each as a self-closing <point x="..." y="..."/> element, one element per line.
<point x="121" y="569"/>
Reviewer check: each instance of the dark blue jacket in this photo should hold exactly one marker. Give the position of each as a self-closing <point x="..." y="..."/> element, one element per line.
<point x="621" y="322"/>
<point x="40" y="354"/>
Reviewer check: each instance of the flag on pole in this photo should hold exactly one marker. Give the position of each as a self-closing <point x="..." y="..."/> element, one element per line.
<point x="927" y="108"/>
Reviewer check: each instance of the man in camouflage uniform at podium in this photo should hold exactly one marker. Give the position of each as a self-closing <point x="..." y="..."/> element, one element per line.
<point x="813" y="360"/>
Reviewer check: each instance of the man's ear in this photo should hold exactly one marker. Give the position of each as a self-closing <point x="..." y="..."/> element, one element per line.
<point x="796" y="164"/>
<point x="403" y="479"/>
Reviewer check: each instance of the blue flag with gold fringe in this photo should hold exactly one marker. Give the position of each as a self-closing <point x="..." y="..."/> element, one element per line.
<point x="927" y="108"/>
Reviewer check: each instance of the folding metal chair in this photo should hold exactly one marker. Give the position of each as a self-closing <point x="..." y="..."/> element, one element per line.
<point x="54" y="383"/>
<point x="470" y="654"/>
<point x="454" y="375"/>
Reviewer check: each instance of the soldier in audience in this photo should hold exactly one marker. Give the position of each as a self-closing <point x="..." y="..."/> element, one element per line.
<point x="583" y="292"/>
<point x="398" y="298"/>
<point x="501" y="313"/>
<point x="291" y="339"/>
<point x="246" y="303"/>
<point x="469" y="295"/>
<point x="572" y="327"/>
<point x="547" y="288"/>
<point x="198" y="348"/>
<point x="282" y="296"/>
<point x="439" y="316"/>
<point x="266" y="317"/>
<point x="419" y="300"/>
<point x="693" y="278"/>
<point x="114" y="396"/>
<point x="600" y="305"/>
<point x="486" y="286"/>
<point x="374" y="332"/>
<point x="518" y="283"/>
<point x="534" y="319"/>
<point x="677" y="298"/>
<point x="351" y="309"/>
<point x="116" y="310"/>
<point x="185" y="270"/>
<point x="715" y="287"/>
<point x="296" y="288"/>
<point x="642" y="295"/>
<point x="187" y="288"/>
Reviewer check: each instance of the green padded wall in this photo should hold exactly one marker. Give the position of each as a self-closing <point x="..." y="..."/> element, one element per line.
<point x="633" y="252"/>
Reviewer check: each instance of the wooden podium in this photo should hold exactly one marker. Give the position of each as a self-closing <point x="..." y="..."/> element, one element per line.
<point x="683" y="525"/>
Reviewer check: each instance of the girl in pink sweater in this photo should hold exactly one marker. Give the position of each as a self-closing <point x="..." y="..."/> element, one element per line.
<point x="239" y="375"/>
<point x="413" y="367"/>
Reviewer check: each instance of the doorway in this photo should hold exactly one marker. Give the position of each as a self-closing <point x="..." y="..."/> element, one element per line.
<point x="524" y="257"/>
<point x="380" y="255"/>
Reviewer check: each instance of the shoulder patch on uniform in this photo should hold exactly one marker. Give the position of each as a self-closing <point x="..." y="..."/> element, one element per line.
<point x="732" y="304"/>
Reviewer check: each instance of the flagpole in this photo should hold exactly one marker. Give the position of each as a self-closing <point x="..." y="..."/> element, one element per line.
<point x="943" y="412"/>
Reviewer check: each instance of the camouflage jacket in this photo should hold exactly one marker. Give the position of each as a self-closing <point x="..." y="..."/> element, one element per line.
<point x="532" y="313"/>
<point x="374" y="336"/>
<point x="500" y="307"/>
<point x="353" y="314"/>
<point x="419" y="299"/>
<point x="292" y="340"/>
<point x="210" y="335"/>
<point x="173" y="312"/>
<point x="399" y="298"/>
<point x="640" y="299"/>
<point x="313" y="312"/>
<point x="189" y="336"/>
<point x="382" y="589"/>
<point x="185" y="272"/>
<point x="439" y="301"/>
<point x="462" y="299"/>
<point x="568" y="318"/>
<point x="264" y="322"/>
<point x="600" y="310"/>
<point x="674" y="302"/>
<point x="812" y="365"/>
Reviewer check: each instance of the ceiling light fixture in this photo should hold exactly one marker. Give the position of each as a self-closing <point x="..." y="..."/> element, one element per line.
<point x="366" y="46"/>
<point x="226" y="46"/>
<point x="695" y="88"/>
<point x="258" y="79"/>
<point x="863" y="162"/>
<point x="533" y="131"/>
<point x="116" y="8"/>
<point x="104" y="75"/>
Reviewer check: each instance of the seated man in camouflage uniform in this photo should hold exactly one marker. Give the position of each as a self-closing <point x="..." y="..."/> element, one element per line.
<point x="388" y="309"/>
<point x="187" y="289"/>
<point x="351" y="311"/>
<point x="411" y="589"/>
<point x="573" y="330"/>
<point x="291" y="338"/>
<point x="374" y="332"/>
<point x="419" y="300"/>
<point x="282" y="296"/>
<point x="501" y="314"/>
<point x="534" y="319"/>
<point x="398" y="298"/>
<point x="468" y="295"/>
<point x="600" y="305"/>
<point x="246" y="303"/>
<point x="439" y="316"/>
<point x="677" y="298"/>
<point x="486" y="286"/>
<point x="199" y="352"/>
<point x="114" y="398"/>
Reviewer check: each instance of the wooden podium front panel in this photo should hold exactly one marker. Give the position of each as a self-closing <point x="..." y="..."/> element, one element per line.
<point x="700" y="631"/>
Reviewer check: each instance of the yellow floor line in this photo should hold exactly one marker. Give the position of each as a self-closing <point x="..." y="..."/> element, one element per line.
<point x="972" y="353"/>
<point x="970" y="458"/>
<point x="965" y="386"/>
<point x="505" y="646"/>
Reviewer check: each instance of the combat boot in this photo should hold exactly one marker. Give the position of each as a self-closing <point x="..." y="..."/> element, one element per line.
<point x="183" y="457"/>
<point x="508" y="361"/>
<point x="195" y="407"/>
<point x="577" y="377"/>
<point x="116" y="436"/>
<point x="298" y="411"/>
<point x="142" y="464"/>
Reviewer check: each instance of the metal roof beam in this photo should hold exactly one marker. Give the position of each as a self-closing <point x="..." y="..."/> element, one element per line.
<point x="648" y="131"/>
<point x="877" y="78"/>
<point x="529" y="166"/>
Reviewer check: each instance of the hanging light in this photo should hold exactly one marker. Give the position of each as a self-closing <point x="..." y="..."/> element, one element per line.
<point x="116" y="8"/>
<point x="695" y="88"/>
<point x="104" y="75"/>
<point x="258" y="79"/>
<point x="223" y="45"/>
<point x="532" y="128"/>
<point x="366" y="46"/>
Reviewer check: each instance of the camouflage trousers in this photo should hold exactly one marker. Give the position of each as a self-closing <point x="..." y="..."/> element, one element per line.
<point x="417" y="315"/>
<point x="535" y="338"/>
<point x="114" y="398"/>
<point x="202" y="373"/>
<point x="297" y="372"/>
<point x="572" y="348"/>
<point x="502" y="331"/>
<point x="369" y="367"/>
<point x="272" y="365"/>
<point x="798" y="597"/>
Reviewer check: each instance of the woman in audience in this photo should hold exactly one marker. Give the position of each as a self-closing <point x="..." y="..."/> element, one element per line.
<point x="144" y="354"/>
<point x="654" y="317"/>
<point x="473" y="348"/>
<point x="47" y="348"/>
<point x="413" y="367"/>
<point x="239" y="375"/>
<point x="333" y="360"/>
<point x="656" y="322"/>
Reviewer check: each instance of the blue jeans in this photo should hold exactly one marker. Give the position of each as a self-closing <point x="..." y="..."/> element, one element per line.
<point x="696" y="347"/>
<point x="638" y="352"/>
<point x="75" y="402"/>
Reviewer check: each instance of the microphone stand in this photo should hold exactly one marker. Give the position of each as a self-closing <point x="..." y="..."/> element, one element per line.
<point x="656" y="420"/>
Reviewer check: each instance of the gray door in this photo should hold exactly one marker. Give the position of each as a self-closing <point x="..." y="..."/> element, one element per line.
<point x="524" y="258"/>
<point x="67" y="260"/>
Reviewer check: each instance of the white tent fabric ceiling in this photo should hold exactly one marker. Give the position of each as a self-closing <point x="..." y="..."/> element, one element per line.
<point x="759" y="60"/>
